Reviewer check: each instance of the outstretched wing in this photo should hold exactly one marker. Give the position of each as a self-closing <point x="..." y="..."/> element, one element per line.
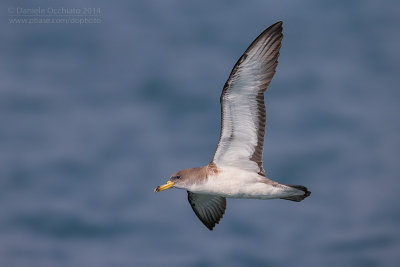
<point x="208" y="208"/>
<point x="242" y="103"/>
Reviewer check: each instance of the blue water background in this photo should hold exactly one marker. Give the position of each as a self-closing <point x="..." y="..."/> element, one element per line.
<point x="94" y="116"/>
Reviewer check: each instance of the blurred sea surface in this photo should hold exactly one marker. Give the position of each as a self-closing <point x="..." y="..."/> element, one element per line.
<point x="93" y="116"/>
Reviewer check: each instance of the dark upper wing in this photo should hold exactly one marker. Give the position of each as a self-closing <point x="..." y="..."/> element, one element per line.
<point x="208" y="208"/>
<point x="242" y="103"/>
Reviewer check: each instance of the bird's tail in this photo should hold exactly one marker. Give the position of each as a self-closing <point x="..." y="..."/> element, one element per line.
<point x="298" y="198"/>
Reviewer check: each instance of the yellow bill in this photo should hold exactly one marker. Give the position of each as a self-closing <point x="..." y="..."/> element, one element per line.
<point x="166" y="186"/>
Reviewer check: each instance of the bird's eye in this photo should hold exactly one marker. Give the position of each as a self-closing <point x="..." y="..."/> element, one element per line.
<point x="178" y="177"/>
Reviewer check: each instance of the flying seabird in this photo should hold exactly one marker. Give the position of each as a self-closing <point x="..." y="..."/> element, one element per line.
<point x="236" y="170"/>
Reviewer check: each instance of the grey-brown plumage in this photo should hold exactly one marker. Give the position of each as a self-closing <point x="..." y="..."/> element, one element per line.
<point x="254" y="70"/>
<point x="236" y="169"/>
<point x="208" y="208"/>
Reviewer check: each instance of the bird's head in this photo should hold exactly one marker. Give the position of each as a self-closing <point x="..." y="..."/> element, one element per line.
<point x="176" y="180"/>
<point x="183" y="179"/>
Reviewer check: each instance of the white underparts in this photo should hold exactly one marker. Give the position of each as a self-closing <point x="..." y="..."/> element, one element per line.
<point x="236" y="183"/>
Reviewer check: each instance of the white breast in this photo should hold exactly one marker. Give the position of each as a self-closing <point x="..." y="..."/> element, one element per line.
<point x="237" y="183"/>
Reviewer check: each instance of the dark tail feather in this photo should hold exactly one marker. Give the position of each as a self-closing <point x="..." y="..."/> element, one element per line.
<point x="298" y="198"/>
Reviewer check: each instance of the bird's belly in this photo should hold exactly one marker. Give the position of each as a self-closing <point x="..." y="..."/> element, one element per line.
<point x="238" y="184"/>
